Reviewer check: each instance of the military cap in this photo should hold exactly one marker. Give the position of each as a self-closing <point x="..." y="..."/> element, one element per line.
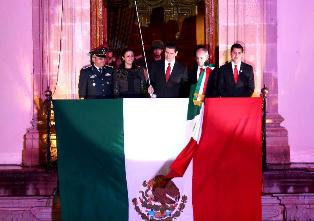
<point x="157" y="44"/>
<point x="99" y="52"/>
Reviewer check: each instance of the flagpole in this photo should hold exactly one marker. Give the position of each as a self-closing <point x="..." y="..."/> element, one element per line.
<point x="142" y="41"/>
<point x="139" y="27"/>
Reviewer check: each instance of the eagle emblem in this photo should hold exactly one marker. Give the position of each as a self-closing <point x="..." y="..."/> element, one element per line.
<point x="161" y="203"/>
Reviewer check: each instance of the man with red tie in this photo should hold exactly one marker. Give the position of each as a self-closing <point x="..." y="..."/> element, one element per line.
<point x="168" y="77"/>
<point x="236" y="78"/>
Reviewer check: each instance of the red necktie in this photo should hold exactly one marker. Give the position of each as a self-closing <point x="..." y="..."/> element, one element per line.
<point x="168" y="72"/>
<point x="235" y="73"/>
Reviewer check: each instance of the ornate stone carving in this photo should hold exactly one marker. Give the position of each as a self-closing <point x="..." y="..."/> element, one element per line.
<point x="211" y="29"/>
<point x="98" y="20"/>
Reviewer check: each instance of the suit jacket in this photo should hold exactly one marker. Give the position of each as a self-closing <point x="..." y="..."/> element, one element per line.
<point x="177" y="85"/>
<point x="244" y="86"/>
<point x="94" y="84"/>
<point x="212" y="84"/>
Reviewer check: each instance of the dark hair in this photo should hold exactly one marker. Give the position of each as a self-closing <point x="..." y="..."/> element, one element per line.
<point x="125" y="50"/>
<point x="171" y="45"/>
<point x="237" y="45"/>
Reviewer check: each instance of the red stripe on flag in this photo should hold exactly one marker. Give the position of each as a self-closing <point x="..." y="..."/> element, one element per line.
<point x="227" y="166"/>
<point x="208" y="71"/>
<point x="181" y="163"/>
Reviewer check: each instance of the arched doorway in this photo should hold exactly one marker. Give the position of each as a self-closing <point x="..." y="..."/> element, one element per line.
<point x="188" y="23"/>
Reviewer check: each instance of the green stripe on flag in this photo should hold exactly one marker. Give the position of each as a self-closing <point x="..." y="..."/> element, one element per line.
<point x="193" y="110"/>
<point x="91" y="160"/>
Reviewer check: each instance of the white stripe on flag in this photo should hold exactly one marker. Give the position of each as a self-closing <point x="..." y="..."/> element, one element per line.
<point x="154" y="134"/>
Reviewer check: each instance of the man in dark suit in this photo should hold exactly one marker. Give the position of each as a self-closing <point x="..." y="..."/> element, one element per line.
<point x="168" y="77"/>
<point x="236" y="78"/>
<point x="202" y="57"/>
<point x="95" y="80"/>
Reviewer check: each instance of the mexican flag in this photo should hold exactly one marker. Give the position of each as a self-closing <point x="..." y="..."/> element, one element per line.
<point x="108" y="152"/>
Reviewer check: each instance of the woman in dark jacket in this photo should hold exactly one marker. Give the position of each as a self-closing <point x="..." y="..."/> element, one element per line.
<point x="129" y="79"/>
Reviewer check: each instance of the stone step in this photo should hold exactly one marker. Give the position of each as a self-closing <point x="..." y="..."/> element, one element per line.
<point x="29" y="194"/>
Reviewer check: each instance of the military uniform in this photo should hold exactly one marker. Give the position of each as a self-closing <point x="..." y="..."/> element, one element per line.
<point x="96" y="84"/>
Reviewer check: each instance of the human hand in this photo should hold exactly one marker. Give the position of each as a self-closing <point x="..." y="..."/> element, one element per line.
<point x="150" y="89"/>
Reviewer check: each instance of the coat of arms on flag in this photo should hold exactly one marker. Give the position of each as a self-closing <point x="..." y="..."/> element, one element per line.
<point x="159" y="204"/>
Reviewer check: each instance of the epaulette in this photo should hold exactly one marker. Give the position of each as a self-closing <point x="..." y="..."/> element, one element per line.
<point x="109" y="66"/>
<point x="87" y="66"/>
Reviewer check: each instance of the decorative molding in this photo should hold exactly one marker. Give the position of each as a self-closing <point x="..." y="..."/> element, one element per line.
<point x="211" y="29"/>
<point x="98" y="23"/>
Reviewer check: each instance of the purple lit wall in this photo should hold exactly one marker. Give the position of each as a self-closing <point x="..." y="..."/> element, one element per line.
<point x="295" y="51"/>
<point x="296" y="75"/>
<point x="16" y="62"/>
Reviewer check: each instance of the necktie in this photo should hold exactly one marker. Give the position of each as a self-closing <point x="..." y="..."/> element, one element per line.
<point x="168" y="72"/>
<point x="235" y="73"/>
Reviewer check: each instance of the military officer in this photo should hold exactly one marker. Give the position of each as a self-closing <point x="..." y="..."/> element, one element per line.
<point x="95" y="80"/>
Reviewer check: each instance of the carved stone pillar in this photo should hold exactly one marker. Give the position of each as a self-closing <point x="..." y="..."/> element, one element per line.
<point x="60" y="49"/>
<point x="32" y="144"/>
<point x="253" y="23"/>
<point x="278" y="151"/>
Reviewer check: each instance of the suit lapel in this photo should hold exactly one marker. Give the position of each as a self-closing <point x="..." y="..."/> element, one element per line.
<point x="240" y="70"/>
<point x="230" y="73"/>
<point x="194" y="74"/>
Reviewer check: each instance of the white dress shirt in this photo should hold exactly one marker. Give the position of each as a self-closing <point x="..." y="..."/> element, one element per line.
<point x="238" y="66"/>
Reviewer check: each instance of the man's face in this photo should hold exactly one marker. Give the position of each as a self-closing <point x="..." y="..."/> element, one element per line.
<point x="236" y="55"/>
<point x="201" y="58"/>
<point x="98" y="61"/>
<point x="157" y="52"/>
<point x="170" y="54"/>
